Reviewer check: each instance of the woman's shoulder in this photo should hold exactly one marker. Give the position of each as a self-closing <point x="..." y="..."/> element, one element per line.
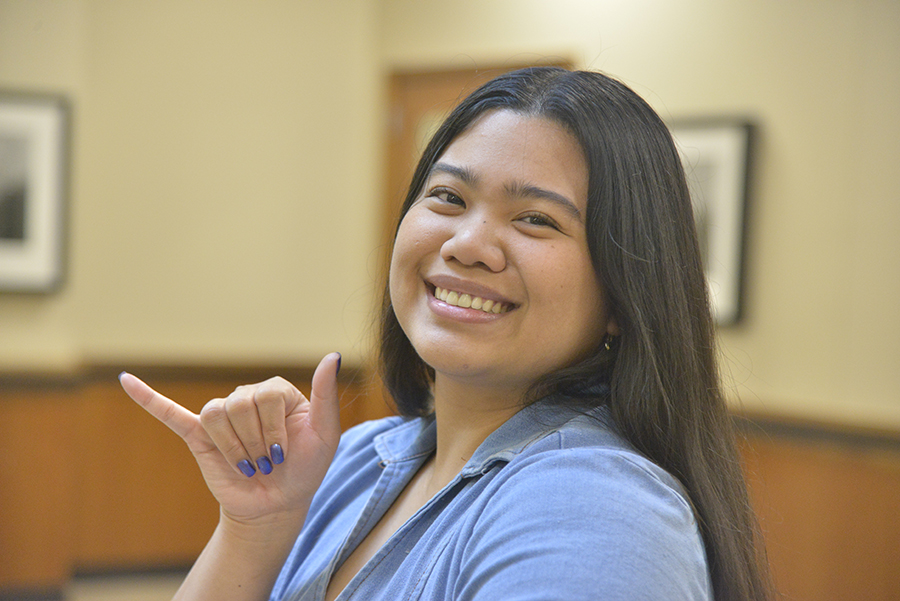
<point x="586" y="456"/>
<point x="578" y="499"/>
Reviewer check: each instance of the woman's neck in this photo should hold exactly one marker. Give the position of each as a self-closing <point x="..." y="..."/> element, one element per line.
<point x="465" y="416"/>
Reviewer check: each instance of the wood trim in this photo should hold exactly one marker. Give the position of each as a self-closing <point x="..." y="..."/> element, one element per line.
<point x="169" y="372"/>
<point x="796" y="428"/>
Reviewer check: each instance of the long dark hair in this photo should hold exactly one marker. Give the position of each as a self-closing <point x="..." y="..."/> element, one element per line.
<point x="661" y="373"/>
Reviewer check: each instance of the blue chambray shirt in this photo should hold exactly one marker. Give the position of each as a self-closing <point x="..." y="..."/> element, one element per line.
<point x="553" y="505"/>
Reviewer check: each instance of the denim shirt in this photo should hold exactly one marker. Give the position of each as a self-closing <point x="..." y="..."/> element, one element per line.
<point x="553" y="505"/>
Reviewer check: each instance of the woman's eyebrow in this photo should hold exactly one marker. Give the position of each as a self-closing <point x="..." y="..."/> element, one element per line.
<point x="465" y="175"/>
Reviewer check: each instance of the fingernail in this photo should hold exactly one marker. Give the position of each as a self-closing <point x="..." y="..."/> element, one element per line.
<point x="246" y="468"/>
<point x="338" y="370"/>
<point x="277" y="454"/>
<point x="265" y="466"/>
<point x="120" y="375"/>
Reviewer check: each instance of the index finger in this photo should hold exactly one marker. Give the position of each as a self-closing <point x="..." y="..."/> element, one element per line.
<point x="177" y="418"/>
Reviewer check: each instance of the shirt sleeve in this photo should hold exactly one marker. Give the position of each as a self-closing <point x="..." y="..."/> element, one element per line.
<point x="585" y="524"/>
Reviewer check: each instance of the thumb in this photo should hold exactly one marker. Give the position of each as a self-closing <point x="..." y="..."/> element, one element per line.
<point x="324" y="405"/>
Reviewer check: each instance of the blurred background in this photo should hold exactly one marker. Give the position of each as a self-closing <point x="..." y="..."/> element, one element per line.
<point x="232" y="167"/>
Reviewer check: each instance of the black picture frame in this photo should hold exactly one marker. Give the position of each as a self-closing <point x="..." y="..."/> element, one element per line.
<point x="34" y="138"/>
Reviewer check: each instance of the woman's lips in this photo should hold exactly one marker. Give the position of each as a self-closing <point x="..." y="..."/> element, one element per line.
<point x="466" y="294"/>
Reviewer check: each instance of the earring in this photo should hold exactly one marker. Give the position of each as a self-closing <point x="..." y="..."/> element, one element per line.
<point x="607" y="343"/>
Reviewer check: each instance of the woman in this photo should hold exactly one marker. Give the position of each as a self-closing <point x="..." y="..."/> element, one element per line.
<point x="546" y="331"/>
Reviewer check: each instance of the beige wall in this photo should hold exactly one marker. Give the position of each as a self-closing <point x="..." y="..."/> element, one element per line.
<point x="225" y="179"/>
<point x="226" y="170"/>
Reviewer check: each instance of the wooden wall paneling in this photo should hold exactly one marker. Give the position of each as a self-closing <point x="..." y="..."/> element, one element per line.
<point x="37" y="501"/>
<point x="143" y="502"/>
<point x="830" y="512"/>
<point x="90" y="482"/>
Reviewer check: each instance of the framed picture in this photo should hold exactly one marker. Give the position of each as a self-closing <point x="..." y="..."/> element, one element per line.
<point x="716" y="157"/>
<point x="33" y="174"/>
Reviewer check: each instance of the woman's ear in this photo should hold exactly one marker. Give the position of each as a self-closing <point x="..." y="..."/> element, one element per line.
<point x="612" y="328"/>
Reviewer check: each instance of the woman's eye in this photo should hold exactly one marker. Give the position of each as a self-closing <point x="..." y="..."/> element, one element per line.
<point x="540" y="220"/>
<point x="448" y="196"/>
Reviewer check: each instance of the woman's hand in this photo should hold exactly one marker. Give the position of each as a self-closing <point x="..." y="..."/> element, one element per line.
<point x="265" y="448"/>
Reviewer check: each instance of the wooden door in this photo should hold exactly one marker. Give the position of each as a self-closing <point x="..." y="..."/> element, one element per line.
<point x="419" y="102"/>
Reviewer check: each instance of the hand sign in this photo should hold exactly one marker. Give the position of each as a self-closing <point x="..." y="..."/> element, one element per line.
<point x="265" y="448"/>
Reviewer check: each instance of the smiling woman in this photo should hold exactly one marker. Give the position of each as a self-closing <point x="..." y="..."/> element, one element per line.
<point x="499" y="219"/>
<point x="547" y="337"/>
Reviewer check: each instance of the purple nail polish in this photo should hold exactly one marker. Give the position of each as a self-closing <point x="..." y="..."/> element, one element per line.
<point x="264" y="465"/>
<point x="338" y="370"/>
<point x="277" y="454"/>
<point x="246" y="468"/>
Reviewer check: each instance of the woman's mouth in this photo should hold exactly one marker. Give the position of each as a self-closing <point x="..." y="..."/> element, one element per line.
<point x="467" y="301"/>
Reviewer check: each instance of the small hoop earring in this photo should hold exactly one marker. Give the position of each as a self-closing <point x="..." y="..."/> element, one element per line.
<point x="607" y="343"/>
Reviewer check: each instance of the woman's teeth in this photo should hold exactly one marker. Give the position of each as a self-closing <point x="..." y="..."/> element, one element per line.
<point x="451" y="297"/>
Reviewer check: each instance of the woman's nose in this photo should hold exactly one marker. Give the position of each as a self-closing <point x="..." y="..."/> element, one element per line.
<point x="475" y="242"/>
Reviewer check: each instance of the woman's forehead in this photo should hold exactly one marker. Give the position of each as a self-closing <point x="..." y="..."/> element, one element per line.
<point x="520" y="152"/>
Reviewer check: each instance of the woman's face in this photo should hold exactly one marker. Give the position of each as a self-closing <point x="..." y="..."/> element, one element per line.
<point x="491" y="279"/>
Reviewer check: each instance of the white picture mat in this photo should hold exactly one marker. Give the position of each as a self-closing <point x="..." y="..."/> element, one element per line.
<point x="34" y="263"/>
<point x="715" y="159"/>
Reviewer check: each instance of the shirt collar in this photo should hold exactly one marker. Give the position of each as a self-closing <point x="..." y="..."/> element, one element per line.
<point x="411" y="439"/>
<point x="415" y="438"/>
<point x="532" y="423"/>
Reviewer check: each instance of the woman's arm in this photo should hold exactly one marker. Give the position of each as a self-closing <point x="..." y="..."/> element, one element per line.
<point x="240" y="561"/>
<point x="263" y="452"/>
